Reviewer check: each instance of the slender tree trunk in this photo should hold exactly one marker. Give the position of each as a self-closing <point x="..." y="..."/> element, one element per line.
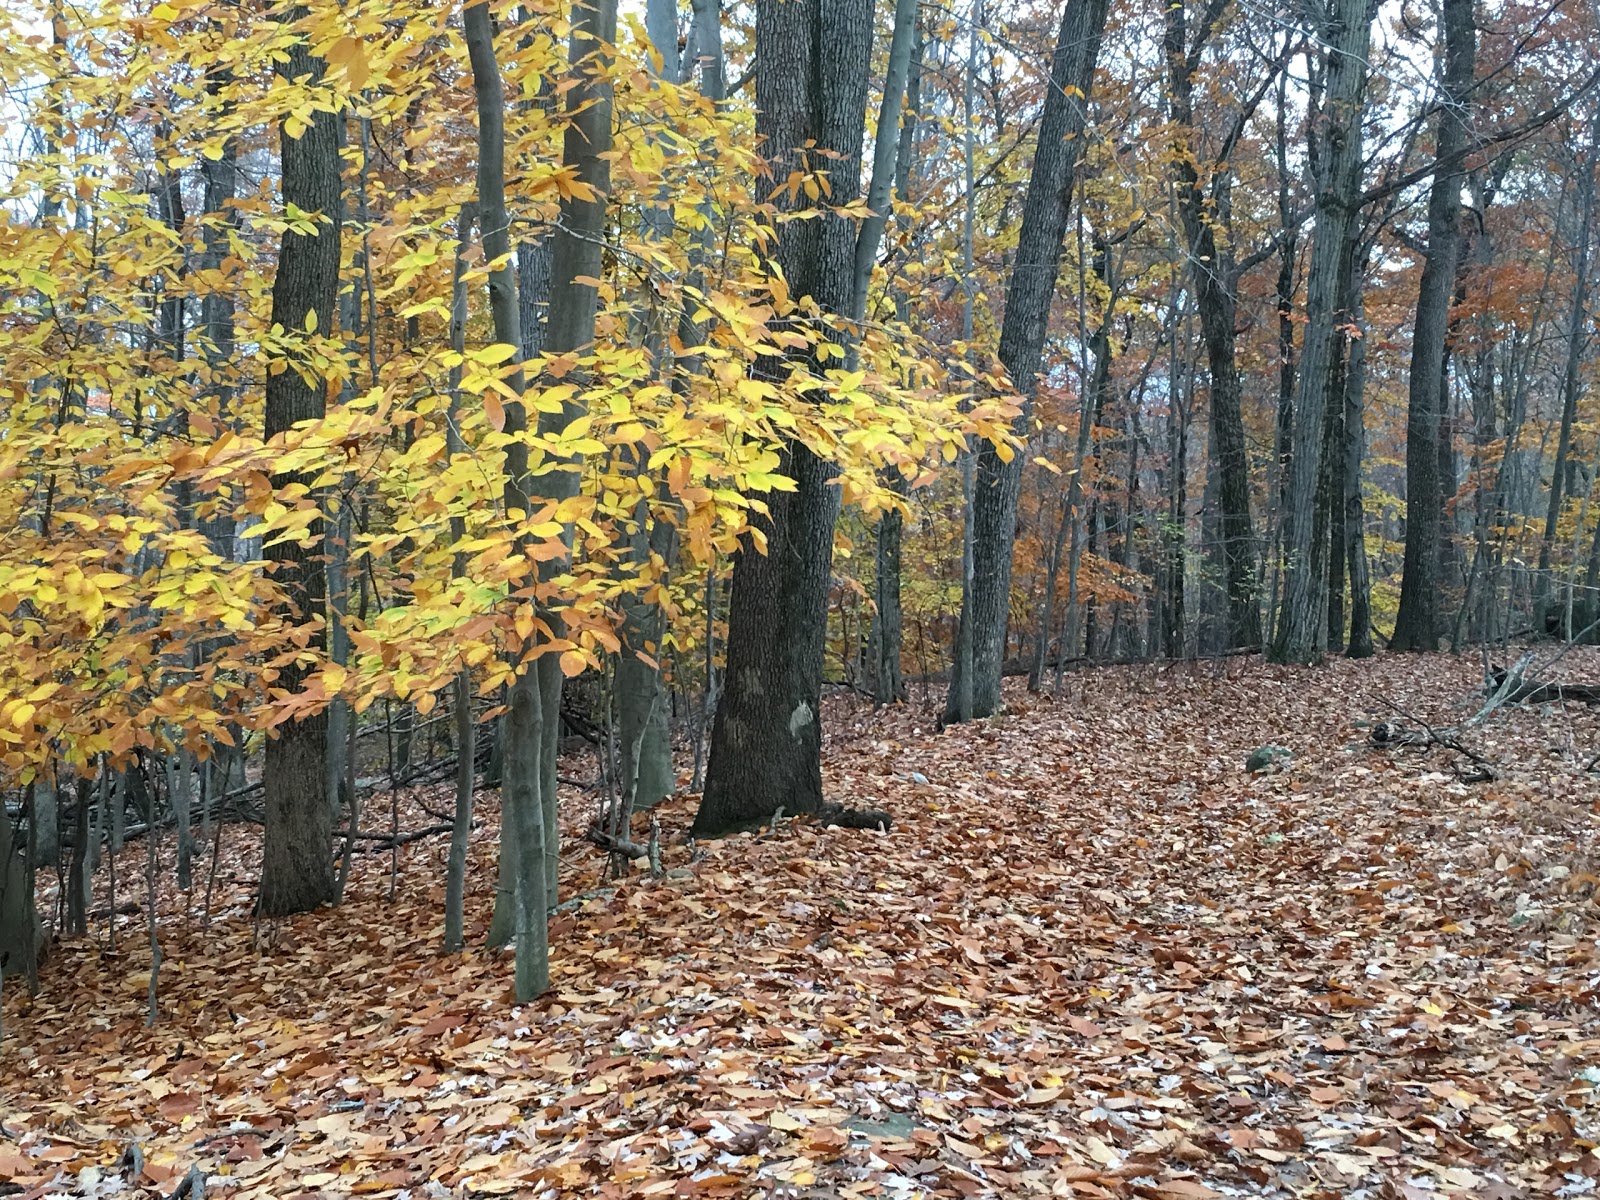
<point x="576" y="267"/>
<point x="766" y="743"/>
<point x="1417" y="625"/>
<point x="1359" y="644"/>
<point x="455" y="888"/>
<point x="1214" y="279"/>
<point x="1577" y="339"/>
<point x="993" y="511"/>
<point x="888" y="682"/>
<point x="522" y="823"/>
<point x="958" y="705"/>
<point x="643" y="731"/>
<point x="297" y="850"/>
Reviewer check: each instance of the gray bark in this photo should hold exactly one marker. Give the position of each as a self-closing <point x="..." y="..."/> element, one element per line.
<point x="1577" y="340"/>
<point x="985" y="605"/>
<point x="1417" y="625"/>
<point x="21" y="936"/>
<point x="1214" y="279"/>
<point x="455" y="888"/>
<point x="522" y="823"/>
<point x="1302" y="636"/>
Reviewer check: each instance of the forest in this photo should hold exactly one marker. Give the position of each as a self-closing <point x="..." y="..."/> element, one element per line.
<point x="799" y="598"/>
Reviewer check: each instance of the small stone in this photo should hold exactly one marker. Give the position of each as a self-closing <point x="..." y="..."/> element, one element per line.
<point x="890" y="1125"/>
<point x="1267" y="758"/>
<point x="680" y="873"/>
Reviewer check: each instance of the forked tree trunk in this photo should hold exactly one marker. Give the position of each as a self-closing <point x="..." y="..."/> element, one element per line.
<point x="297" y="850"/>
<point x="576" y="266"/>
<point x="1302" y="634"/>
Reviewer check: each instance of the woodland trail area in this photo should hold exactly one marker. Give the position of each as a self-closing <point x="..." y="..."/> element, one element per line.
<point x="1094" y="957"/>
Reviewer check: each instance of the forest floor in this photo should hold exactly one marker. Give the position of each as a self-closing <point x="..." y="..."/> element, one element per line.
<point x="1094" y="957"/>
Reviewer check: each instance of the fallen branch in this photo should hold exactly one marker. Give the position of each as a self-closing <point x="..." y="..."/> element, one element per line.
<point x="1387" y="735"/>
<point x="1535" y="691"/>
<point x="596" y="836"/>
<point x="191" y="1187"/>
<point x="388" y="841"/>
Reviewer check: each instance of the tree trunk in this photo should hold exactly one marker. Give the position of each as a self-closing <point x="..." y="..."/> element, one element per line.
<point x="1359" y="643"/>
<point x="1417" y="625"/>
<point x="21" y="936"/>
<point x="986" y="605"/>
<point x="1214" y="278"/>
<point x="1577" y="339"/>
<point x="576" y="266"/>
<point x="522" y="823"/>
<point x="296" y="856"/>
<point x="455" y="887"/>
<point x="643" y="730"/>
<point x="766" y="743"/>
<point x="888" y="682"/>
<point x="1301" y="630"/>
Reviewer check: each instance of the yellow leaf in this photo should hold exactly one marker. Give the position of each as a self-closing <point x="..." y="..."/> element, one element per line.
<point x="572" y="663"/>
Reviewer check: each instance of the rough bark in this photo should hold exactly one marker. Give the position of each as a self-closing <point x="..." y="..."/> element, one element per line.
<point x="888" y="627"/>
<point x="21" y="936"/>
<point x="1417" y="625"/>
<point x="1577" y="339"/>
<point x="296" y="857"/>
<point x="1302" y="634"/>
<point x="986" y="605"/>
<point x="1213" y="275"/>
<point x="766" y="744"/>
<point x="1359" y="643"/>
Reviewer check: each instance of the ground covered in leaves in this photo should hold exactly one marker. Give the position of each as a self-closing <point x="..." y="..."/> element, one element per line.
<point x="1094" y="957"/>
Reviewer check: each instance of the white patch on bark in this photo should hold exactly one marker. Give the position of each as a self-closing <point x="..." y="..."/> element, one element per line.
<point x="799" y="719"/>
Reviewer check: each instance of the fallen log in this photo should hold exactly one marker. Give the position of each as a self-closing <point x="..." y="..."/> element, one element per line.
<point x="1536" y="691"/>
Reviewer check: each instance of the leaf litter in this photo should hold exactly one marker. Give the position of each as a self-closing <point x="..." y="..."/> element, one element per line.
<point x="1094" y="957"/>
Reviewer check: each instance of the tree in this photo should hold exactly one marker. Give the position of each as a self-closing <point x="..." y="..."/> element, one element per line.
<point x="1215" y="274"/>
<point x="1417" y="624"/>
<point x="986" y="604"/>
<point x="521" y="789"/>
<point x="296" y="857"/>
<point x="766" y="740"/>
<point x="575" y="269"/>
<point x="1348" y="36"/>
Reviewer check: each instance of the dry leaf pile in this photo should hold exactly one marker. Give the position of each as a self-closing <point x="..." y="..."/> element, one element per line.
<point x="1093" y="958"/>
